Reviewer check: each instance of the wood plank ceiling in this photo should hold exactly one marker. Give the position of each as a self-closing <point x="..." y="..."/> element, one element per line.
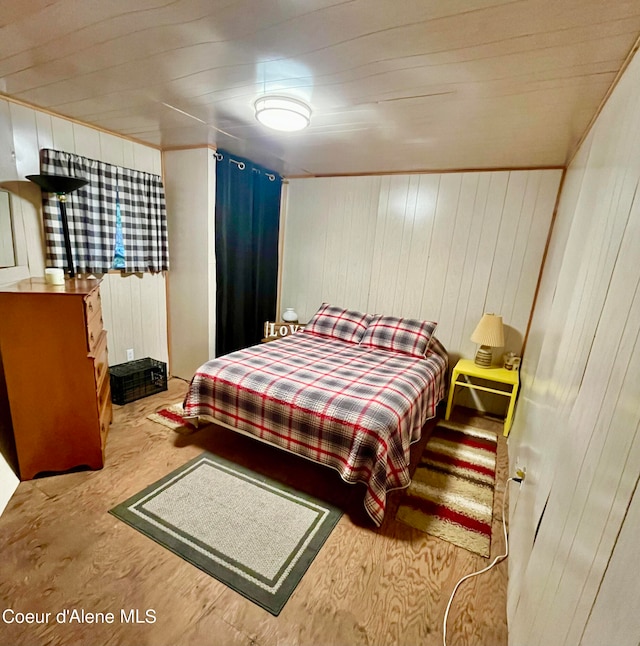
<point x="393" y="85"/>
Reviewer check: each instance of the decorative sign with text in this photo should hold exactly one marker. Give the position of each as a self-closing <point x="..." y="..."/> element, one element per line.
<point x="278" y="330"/>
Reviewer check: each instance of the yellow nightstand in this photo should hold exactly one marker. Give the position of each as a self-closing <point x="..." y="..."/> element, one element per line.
<point x="467" y="368"/>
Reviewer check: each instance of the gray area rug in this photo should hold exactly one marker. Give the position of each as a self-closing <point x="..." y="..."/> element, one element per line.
<point x="252" y="533"/>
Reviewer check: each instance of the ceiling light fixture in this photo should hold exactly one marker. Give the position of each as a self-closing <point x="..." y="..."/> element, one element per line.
<point x="282" y="113"/>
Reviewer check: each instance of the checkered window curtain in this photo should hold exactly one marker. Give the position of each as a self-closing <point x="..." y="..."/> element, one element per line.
<point x="91" y="211"/>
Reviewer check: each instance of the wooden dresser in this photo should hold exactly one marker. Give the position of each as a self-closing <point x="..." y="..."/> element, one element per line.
<point x="53" y="351"/>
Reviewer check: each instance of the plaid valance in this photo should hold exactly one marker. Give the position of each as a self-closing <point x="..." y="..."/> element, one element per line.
<point x="91" y="211"/>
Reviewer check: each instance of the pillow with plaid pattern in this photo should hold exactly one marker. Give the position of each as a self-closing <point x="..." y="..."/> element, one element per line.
<point x="338" y="323"/>
<point x="408" y="336"/>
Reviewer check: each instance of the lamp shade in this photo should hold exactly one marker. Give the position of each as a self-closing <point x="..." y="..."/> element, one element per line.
<point x="57" y="183"/>
<point x="489" y="331"/>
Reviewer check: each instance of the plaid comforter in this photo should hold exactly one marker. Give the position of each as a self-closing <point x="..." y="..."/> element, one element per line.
<point x="352" y="408"/>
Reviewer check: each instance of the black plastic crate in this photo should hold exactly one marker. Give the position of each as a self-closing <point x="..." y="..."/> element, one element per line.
<point x="136" y="379"/>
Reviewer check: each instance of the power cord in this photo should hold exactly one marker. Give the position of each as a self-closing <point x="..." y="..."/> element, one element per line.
<point x="497" y="560"/>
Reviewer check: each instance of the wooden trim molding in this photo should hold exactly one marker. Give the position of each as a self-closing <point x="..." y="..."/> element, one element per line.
<point x="189" y="147"/>
<point x="605" y="98"/>
<point x="284" y="193"/>
<point x="53" y="113"/>
<point x="430" y="171"/>
<point x="543" y="261"/>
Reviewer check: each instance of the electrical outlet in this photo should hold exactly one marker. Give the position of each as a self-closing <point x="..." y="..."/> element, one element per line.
<point x="130" y="354"/>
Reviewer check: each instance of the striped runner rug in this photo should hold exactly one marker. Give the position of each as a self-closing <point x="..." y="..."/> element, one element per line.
<point x="172" y="417"/>
<point x="451" y="493"/>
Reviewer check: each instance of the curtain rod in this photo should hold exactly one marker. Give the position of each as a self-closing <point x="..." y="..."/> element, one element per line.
<point x="241" y="165"/>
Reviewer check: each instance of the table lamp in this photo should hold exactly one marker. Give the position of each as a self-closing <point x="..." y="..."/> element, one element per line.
<point x="489" y="333"/>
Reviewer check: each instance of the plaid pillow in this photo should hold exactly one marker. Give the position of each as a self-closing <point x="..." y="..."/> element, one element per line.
<point x="408" y="336"/>
<point x="338" y="323"/>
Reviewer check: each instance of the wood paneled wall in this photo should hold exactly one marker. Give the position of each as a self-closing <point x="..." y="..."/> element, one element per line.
<point x="134" y="306"/>
<point x="446" y="247"/>
<point x="578" y="420"/>
<point x="191" y="192"/>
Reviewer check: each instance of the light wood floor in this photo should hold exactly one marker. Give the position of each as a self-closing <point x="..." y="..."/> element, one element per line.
<point x="60" y="549"/>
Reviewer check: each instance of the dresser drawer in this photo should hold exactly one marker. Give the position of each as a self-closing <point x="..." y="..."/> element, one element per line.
<point x="104" y="391"/>
<point x="104" y="408"/>
<point x="104" y="429"/>
<point x="94" y="333"/>
<point x="92" y="304"/>
<point x="101" y="357"/>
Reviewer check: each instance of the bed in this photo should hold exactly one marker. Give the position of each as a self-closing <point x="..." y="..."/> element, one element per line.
<point x="353" y="406"/>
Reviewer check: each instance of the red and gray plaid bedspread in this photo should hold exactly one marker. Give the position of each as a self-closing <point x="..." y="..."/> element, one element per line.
<point x="355" y="409"/>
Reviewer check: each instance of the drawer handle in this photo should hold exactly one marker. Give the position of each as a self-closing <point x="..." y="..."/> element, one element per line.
<point x="90" y="307"/>
<point x="91" y="337"/>
<point x="99" y="370"/>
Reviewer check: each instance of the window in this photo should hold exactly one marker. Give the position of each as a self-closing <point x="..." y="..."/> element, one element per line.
<point x="118" y="220"/>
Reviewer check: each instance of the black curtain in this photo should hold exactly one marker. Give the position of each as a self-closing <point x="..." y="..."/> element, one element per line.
<point x="246" y="235"/>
